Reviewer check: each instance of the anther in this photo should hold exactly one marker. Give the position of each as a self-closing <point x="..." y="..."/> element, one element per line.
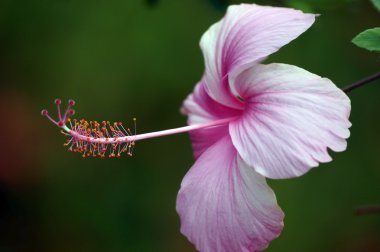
<point x="57" y="101"/>
<point x="44" y="112"/>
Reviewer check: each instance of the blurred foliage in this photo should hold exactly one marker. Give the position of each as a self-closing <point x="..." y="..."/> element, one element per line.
<point x="219" y="4"/>
<point x="121" y="59"/>
<point x="376" y="3"/>
<point x="152" y="2"/>
<point x="369" y="39"/>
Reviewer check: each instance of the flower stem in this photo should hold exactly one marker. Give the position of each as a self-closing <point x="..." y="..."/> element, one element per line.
<point x="362" y="82"/>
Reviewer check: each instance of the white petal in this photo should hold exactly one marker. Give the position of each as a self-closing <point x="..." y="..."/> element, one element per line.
<point x="246" y="35"/>
<point x="291" y="117"/>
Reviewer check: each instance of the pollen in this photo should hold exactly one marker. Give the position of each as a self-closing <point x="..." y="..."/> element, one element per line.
<point x="105" y="139"/>
<point x="93" y="138"/>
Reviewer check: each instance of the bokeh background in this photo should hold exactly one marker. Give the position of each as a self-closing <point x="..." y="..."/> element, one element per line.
<point x="121" y="59"/>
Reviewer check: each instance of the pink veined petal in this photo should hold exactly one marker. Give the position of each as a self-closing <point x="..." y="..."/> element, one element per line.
<point x="291" y="117"/>
<point x="200" y="108"/>
<point x="225" y="206"/>
<point x="246" y="35"/>
<point x="202" y="139"/>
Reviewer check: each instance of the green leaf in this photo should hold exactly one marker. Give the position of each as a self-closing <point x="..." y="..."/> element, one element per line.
<point x="369" y="39"/>
<point x="376" y="3"/>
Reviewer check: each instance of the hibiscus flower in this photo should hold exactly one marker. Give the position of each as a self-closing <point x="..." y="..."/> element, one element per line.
<point x="280" y="121"/>
<point x="247" y="122"/>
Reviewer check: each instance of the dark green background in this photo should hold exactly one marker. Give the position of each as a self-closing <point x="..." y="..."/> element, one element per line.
<point x="121" y="59"/>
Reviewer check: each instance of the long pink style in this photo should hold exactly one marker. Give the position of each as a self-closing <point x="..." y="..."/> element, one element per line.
<point x="96" y="139"/>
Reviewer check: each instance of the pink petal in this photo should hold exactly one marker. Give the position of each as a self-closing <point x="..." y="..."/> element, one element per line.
<point x="200" y="108"/>
<point x="202" y="139"/>
<point x="225" y="206"/>
<point x="291" y="117"/>
<point x="246" y="35"/>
